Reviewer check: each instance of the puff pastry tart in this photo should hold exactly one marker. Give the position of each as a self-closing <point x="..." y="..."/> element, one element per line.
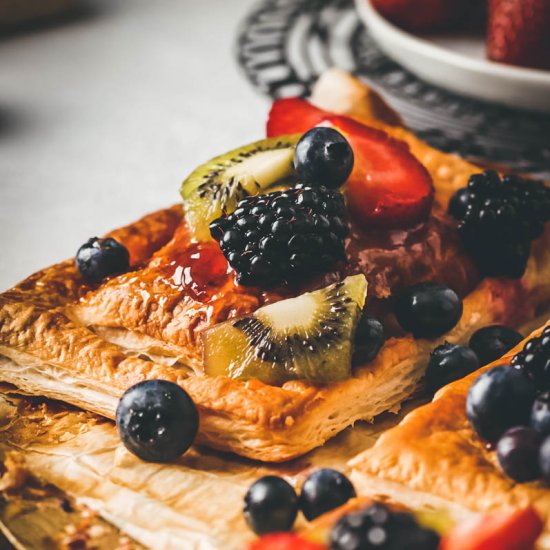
<point x="434" y="457"/>
<point x="87" y="343"/>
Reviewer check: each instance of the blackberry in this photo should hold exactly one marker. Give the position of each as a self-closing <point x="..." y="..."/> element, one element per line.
<point x="534" y="360"/>
<point x="283" y="236"/>
<point x="498" y="219"/>
<point x="379" y="528"/>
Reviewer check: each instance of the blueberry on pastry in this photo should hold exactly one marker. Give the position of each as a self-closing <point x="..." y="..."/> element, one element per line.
<point x="157" y="420"/>
<point x="270" y="505"/>
<point x="324" y="157"/>
<point x="492" y="342"/>
<point x="499" y="399"/>
<point x="449" y="362"/>
<point x="428" y="309"/>
<point x="518" y="453"/>
<point x="324" y="490"/>
<point x="100" y="258"/>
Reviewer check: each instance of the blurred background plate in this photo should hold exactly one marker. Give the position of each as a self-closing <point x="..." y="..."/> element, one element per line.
<point x="457" y="61"/>
<point x="284" y="45"/>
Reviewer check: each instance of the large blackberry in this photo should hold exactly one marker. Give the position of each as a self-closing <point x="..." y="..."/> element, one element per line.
<point x="534" y="360"/>
<point x="283" y="236"/>
<point x="379" y="528"/>
<point x="498" y="219"/>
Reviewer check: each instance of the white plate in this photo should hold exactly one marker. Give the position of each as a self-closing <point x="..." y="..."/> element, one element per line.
<point x="458" y="63"/>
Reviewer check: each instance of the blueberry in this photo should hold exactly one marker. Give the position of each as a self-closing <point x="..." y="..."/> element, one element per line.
<point x="499" y="399"/>
<point x="428" y="309"/>
<point x="544" y="459"/>
<point x="323" y="157"/>
<point x="449" y="362"/>
<point x="369" y="339"/>
<point x="492" y="342"/>
<point x="324" y="490"/>
<point x="540" y="415"/>
<point x="270" y="505"/>
<point x="518" y="453"/>
<point x="99" y="258"/>
<point x="157" y="420"/>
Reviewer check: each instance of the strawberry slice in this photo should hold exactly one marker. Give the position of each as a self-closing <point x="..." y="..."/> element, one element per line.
<point x="518" y="32"/>
<point x="517" y="530"/>
<point x="284" y="541"/>
<point x="388" y="186"/>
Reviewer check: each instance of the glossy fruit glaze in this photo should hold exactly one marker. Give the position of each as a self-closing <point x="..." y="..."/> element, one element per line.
<point x="389" y="259"/>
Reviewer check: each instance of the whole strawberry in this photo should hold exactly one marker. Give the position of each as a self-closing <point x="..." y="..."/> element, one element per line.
<point x="519" y="32"/>
<point x="422" y="15"/>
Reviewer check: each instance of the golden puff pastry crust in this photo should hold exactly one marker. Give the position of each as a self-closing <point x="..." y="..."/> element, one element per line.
<point x="86" y="345"/>
<point x="434" y="456"/>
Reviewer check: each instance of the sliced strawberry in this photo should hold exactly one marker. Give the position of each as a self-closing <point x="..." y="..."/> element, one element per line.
<point x="518" y="32"/>
<point x="422" y="15"/>
<point x="517" y="530"/>
<point x="388" y="186"/>
<point x="284" y="541"/>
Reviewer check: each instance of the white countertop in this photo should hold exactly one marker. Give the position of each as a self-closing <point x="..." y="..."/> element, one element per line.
<point x="101" y="118"/>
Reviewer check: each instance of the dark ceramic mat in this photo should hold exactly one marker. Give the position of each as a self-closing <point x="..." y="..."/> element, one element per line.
<point x="283" y="46"/>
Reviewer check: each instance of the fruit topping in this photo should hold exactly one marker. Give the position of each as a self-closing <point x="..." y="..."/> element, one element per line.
<point x="492" y="342"/>
<point x="157" y="420"/>
<point x="534" y="360"/>
<point x="284" y="541"/>
<point x="428" y="309"/>
<point x="379" y="528"/>
<point x="518" y="32"/>
<point x="499" y="399"/>
<point x="324" y="490"/>
<point x="270" y="505"/>
<point x="323" y="157"/>
<point x="498" y="219"/>
<point x="369" y="339"/>
<point x="449" y="362"/>
<point x="502" y="530"/>
<point x="388" y="186"/>
<point x="98" y="258"/>
<point x="217" y="186"/>
<point x="544" y="460"/>
<point x="427" y="15"/>
<point x="540" y="415"/>
<point x="518" y="453"/>
<point x="283" y="236"/>
<point x="309" y="337"/>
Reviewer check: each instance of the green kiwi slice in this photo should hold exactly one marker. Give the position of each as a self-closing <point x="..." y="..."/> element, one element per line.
<point x="218" y="185"/>
<point x="309" y="337"/>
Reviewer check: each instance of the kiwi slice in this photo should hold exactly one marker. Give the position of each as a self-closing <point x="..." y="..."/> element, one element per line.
<point x="309" y="337"/>
<point x="218" y="185"/>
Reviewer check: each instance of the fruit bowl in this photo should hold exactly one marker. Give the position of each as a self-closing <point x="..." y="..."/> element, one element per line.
<point x="456" y="61"/>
